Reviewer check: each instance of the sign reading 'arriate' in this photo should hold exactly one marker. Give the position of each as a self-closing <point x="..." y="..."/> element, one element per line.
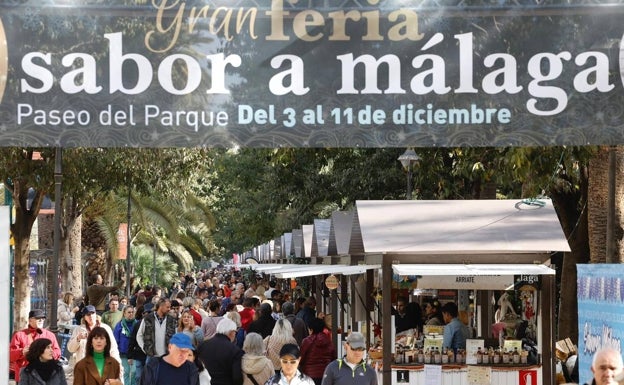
<point x="275" y="73"/>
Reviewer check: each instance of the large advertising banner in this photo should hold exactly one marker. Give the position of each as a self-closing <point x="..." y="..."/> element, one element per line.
<point x="600" y="312"/>
<point x="315" y="73"/>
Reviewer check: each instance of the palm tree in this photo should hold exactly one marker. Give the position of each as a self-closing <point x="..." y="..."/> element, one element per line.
<point x="181" y="229"/>
<point x="145" y="269"/>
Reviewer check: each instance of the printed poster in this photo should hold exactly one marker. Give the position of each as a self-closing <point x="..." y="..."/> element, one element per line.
<point x="600" y="312"/>
<point x="479" y="375"/>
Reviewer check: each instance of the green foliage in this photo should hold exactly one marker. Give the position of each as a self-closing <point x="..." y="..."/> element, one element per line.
<point x="143" y="262"/>
<point x="179" y="228"/>
<point x="258" y="194"/>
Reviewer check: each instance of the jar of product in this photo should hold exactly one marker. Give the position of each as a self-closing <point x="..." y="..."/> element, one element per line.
<point x="459" y="357"/>
<point x="515" y="356"/>
<point x="506" y="357"/>
<point x="428" y="357"/>
<point x="497" y="357"/>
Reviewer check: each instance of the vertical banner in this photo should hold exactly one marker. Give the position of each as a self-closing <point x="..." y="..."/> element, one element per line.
<point x="122" y="241"/>
<point x="600" y="312"/>
<point x="236" y="261"/>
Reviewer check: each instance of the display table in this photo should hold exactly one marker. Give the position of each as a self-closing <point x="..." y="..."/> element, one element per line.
<point x="414" y="374"/>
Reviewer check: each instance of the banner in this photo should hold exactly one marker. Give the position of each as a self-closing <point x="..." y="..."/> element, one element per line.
<point x="600" y="312"/>
<point x="277" y="73"/>
<point x="122" y="241"/>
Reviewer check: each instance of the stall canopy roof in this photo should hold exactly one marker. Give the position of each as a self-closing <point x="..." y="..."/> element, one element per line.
<point x="295" y="271"/>
<point x="472" y="269"/>
<point x="460" y="226"/>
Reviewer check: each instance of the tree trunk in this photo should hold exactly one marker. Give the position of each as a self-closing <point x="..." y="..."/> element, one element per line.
<point x="619" y="204"/>
<point x="572" y="214"/>
<point x="21" y="283"/>
<point x="74" y="232"/>
<point x="72" y="256"/>
<point x="597" y="205"/>
<point x="21" y="228"/>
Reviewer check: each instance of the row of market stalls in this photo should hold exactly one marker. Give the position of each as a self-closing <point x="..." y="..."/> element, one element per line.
<point x="472" y="252"/>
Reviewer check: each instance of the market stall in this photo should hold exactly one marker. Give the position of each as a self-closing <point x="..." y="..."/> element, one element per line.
<point x="486" y="256"/>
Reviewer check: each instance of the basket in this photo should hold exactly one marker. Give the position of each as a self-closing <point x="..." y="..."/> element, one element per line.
<point x="375" y="354"/>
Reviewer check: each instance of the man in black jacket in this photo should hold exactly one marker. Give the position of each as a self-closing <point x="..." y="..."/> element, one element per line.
<point x="221" y="356"/>
<point x="265" y="323"/>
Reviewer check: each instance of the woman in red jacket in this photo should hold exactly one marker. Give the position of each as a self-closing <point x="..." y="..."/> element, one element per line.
<point x="317" y="351"/>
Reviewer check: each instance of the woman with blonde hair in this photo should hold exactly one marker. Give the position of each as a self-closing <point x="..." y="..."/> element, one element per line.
<point x="66" y="311"/>
<point x="186" y="325"/>
<point x="282" y="334"/>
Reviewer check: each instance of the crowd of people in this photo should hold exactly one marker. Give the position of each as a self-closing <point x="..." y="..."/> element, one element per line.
<point x="211" y="327"/>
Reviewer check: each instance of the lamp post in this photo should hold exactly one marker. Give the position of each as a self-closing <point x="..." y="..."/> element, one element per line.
<point x="408" y="159"/>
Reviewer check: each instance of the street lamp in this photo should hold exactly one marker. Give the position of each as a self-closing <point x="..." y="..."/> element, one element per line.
<point x="408" y="159"/>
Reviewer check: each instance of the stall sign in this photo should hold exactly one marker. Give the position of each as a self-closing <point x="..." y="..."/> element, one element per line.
<point x="600" y="292"/>
<point x="331" y="282"/>
<point x="472" y="282"/>
<point x="527" y="282"/>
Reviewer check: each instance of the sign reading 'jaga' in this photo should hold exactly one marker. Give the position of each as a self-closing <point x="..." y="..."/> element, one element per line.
<point x="172" y="74"/>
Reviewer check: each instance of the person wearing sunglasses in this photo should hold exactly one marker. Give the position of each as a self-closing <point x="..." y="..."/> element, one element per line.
<point x="351" y="369"/>
<point x="290" y="374"/>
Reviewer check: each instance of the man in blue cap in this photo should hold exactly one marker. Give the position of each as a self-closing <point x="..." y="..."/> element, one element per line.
<point x="174" y="367"/>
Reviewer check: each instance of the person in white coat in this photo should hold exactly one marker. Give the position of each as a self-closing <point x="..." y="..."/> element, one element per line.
<point x="77" y="344"/>
<point x="66" y="311"/>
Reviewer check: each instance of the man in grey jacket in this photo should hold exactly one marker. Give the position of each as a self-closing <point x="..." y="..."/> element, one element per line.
<point x="156" y="329"/>
<point x="351" y="369"/>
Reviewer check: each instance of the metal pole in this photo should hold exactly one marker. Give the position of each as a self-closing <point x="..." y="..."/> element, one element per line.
<point x="58" y="181"/>
<point x="128" y="283"/>
<point x="154" y="265"/>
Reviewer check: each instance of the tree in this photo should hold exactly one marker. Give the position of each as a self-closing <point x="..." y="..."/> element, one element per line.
<point x="24" y="169"/>
<point x="84" y="188"/>
<point x="165" y="270"/>
<point x="180" y="228"/>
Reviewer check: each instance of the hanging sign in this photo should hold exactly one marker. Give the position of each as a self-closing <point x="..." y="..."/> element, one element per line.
<point x="527" y="282"/>
<point x="170" y="73"/>
<point x="460" y="282"/>
<point x="122" y="241"/>
<point x="331" y="282"/>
